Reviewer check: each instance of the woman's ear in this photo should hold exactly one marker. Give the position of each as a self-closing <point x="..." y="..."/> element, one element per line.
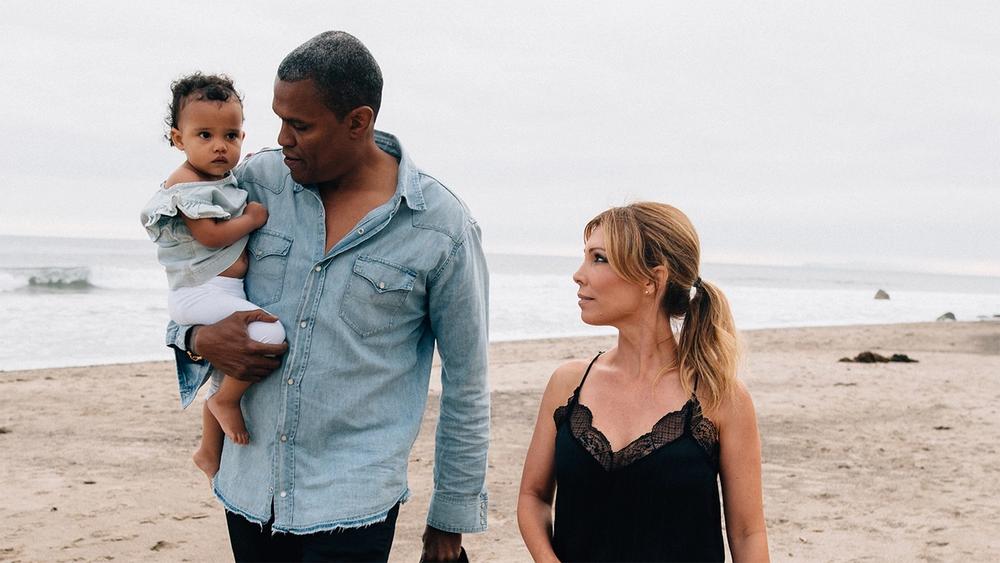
<point x="660" y="276"/>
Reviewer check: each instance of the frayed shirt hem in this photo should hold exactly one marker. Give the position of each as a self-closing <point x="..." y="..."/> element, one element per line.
<point x="358" y="522"/>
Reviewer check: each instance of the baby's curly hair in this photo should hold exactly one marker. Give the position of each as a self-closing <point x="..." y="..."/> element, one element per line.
<point x="198" y="86"/>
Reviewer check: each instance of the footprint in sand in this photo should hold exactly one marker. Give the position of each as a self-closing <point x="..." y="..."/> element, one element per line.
<point x="161" y="545"/>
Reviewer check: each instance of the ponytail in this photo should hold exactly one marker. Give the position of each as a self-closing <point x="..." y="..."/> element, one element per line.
<point x="708" y="350"/>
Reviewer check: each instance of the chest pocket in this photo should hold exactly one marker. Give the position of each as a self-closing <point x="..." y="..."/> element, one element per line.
<point x="268" y="251"/>
<point x="375" y="294"/>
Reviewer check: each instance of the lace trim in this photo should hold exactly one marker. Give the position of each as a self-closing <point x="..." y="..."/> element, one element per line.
<point x="705" y="432"/>
<point x="670" y="427"/>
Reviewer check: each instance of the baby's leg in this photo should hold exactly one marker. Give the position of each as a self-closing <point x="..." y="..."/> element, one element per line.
<point x="225" y="405"/>
<point x="206" y="304"/>
<point x="209" y="453"/>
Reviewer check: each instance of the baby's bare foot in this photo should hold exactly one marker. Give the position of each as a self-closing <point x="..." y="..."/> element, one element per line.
<point x="230" y="418"/>
<point x="207" y="462"/>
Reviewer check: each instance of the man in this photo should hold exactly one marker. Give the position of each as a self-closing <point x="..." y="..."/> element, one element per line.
<point x="368" y="262"/>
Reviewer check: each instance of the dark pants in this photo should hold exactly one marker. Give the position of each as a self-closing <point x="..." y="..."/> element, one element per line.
<point x="252" y="544"/>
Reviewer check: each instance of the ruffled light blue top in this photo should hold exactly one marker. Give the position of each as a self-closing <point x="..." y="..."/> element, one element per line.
<point x="187" y="261"/>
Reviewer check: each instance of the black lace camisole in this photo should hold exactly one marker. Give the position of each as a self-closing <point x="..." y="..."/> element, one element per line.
<point x="656" y="499"/>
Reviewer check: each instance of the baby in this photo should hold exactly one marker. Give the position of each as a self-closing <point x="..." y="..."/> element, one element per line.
<point x="200" y="220"/>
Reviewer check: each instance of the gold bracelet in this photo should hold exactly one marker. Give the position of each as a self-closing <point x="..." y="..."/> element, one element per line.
<point x="187" y="344"/>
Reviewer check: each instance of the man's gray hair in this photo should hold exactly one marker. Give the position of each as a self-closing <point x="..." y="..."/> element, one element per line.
<point x="344" y="71"/>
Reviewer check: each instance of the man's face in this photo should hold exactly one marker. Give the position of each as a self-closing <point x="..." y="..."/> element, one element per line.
<point x="313" y="140"/>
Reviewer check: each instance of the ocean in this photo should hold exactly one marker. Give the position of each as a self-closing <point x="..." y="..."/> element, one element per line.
<point x="73" y="302"/>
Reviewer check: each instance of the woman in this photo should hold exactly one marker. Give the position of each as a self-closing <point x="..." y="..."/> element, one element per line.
<point x="649" y="426"/>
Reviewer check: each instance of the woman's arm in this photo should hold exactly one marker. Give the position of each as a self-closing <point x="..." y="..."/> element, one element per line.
<point x="739" y="443"/>
<point x="538" y="481"/>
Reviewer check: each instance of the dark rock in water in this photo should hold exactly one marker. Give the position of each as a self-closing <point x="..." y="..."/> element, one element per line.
<point x="868" y="357"/>
<point x="881" y="294"/>
<point x="949" y="316"/>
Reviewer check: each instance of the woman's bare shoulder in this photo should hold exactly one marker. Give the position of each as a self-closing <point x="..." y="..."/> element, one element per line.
<point x="565" y="378"/>
<point x="736" y="407"/>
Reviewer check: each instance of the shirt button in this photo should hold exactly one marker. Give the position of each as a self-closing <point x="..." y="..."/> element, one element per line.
<point x="291" y="381"/>
<point x="318" y="268"/>
<point x="283" y="494"/>
<point x="381" y="285"/>
<point x="361" y="231"/>
<point x="284" y="438"/>
<point x="303" y="324"/>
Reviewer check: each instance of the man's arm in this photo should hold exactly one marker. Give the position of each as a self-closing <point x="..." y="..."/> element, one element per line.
<point x="458" y="296"/>
<point x="226" y="346"/>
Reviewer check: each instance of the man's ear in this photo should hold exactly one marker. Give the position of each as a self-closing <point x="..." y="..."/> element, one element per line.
<point x="359" y="120"/>
<point x="243" y="135"/>
<point x="175" y="138"/>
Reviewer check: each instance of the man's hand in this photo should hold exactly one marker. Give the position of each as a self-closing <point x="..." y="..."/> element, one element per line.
<point x="440" y="545"/>
<point x="226" y="346"/>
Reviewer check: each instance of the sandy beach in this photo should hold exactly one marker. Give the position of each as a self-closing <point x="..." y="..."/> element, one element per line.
<point x="886" y="462"/>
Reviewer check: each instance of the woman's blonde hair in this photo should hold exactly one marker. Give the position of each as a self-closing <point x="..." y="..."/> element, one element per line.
<point x="641" y="236"/>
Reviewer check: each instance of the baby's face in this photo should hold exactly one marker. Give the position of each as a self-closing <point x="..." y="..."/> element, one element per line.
<point x="211" y="135"/>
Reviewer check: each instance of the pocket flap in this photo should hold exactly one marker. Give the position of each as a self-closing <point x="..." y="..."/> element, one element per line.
<point x="383" y="275"/>
<point x="265" y="242"/>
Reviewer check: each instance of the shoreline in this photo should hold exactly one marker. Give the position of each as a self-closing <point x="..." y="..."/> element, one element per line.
<point x="883" y="461"/>
<point x="552" y="340"/>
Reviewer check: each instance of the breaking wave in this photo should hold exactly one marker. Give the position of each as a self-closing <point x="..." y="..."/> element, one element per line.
<point x="54" y="278"/>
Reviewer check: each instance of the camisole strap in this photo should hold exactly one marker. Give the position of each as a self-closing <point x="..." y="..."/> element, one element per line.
<point x="576" y="392"/>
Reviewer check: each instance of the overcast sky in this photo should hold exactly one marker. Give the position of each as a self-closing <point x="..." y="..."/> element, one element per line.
<point x="851" y="133"/>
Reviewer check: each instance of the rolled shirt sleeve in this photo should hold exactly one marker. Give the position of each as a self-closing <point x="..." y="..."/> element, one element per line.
<point x="190" y="375"/>
<point x="458" y="307"/>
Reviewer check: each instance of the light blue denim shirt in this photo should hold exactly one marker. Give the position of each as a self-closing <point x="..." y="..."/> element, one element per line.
<point x="331" y="430"/>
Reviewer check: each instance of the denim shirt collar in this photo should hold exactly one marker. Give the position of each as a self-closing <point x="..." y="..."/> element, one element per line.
<point x="407" y="178"/>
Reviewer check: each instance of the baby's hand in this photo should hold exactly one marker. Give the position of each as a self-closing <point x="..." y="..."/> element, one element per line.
<point x="257" y="212"/>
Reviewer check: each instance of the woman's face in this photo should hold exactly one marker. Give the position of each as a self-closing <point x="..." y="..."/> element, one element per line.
<point x="605" y="298"/>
